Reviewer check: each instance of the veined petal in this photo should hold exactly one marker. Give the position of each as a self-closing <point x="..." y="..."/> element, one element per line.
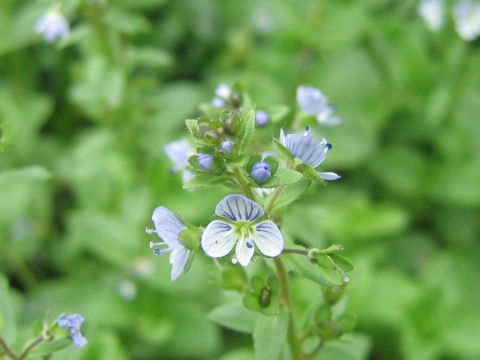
<point x="308" y="150"/>
<point x="268" y="238"/>
<point x="167" y="226"/>
<point x="237" y="207"/>
<point x="218" y="238"/>
<point x="178" y="259"/>
<point x="244" y="253"/>
<point x="329" y="175"/>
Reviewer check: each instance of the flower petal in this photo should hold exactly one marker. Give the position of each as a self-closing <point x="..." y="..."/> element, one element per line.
<point x="329" y="175"/>
<point x="178" y="259"/>
<point x="311" y="100"/>
<point x="268" y="238"/>
<point x="78" y="339"/>
<point x="218" y="239"/>
<point x="307" y="149"/>
<point x="237" y="207"/>
<point x="244" y="253"/>
<point x="167" y="226"/>
<point x="179" y="152"/>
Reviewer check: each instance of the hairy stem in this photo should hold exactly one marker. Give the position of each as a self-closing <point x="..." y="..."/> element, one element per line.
<point x="244" y="185"/>
<point x="285" y="301"/>
<point x="6" y="350"/>
<point x="273" y="199"/>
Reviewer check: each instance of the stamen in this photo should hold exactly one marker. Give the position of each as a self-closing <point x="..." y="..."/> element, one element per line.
<point x="152" y="244"/>
<point x="158" y="251"/>
<point x="150" y="230"/>
<point x="328" y="146"/>
<point x="250" y="243"/>
<point x="234" y="260"/>
<point x="307" y="131"/>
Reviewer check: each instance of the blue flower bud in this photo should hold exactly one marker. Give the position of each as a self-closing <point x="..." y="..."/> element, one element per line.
<point x="205" y="161"/>
<point x="227" y="146"/>
<point x="261" y="172"/>
<point x="261" y="118"/>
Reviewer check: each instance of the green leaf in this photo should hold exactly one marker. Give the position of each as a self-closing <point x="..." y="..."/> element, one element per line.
<point x="48" y="347"/>
<point x="304" y="267"/>
<point x="8" y="326"/>
<point x="277" y="112"/>
<point x="284" y="152"/>
<point x="249" y="129"/>
<point x="342" y="262"/>
<point x="205" y="180"/>
<point x="328" y="269"/>
<point x="270" y="335"/>
<point x="309" y="172"/>
<point x="282" y="177"/>
<point x="30" y="173"/>
<point x="291" y="193"/>
<point x="234" y="316"/>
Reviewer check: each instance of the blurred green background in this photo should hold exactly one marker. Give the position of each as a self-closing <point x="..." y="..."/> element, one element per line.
<point x="83" y="124"/>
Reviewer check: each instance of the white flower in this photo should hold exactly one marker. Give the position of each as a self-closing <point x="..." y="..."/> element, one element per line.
<point x="467" y="19"/>
<point x="168" y="227"/>
<point x="313" y="102"/>
<point x="308" y="150"/>
<point x="53" y="26"/>
<point x="433" y="13"/>
<point x="179" y="152"/>
<point x="239" y="227"/>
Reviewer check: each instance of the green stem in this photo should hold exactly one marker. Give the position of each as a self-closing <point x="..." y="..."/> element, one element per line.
<point x="274" y="198"/>
<point x="296" y="251"/>
<point x="29" y="348"/>
<point x="244" y="185"/>
<point x="285" y="301"/>
<point x="6" y="350"/>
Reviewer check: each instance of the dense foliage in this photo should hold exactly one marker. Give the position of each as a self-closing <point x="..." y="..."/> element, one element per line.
<point x="83" y="125"/>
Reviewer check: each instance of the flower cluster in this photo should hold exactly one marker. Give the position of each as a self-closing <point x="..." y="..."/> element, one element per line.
<point x="228" y="152"/>
<point x="73" y="323"/>
<point x="466" y="16"/>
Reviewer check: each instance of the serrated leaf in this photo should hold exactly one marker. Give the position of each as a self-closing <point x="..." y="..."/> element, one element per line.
<point x="249" y="129"/>
<point x="234" y="316"/>
<point x="205" y="180"/>
<point x="291" y="193"/>
<point x="281" y="178"/>
<point x="270" y="335"/>
<point x="304" y="267"/>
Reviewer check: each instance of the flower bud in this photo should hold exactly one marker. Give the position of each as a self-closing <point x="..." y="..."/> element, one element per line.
<point x="227" y="146"/>
<point x="261" y="172"/>
<point x="261" y="118"/>
<point x="205" y="161"/>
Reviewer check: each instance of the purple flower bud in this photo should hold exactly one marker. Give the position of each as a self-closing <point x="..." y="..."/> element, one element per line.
<point x="261" y="172"/>
<point x="205" y="161"/>
<point x="227" y="146"/>
<point x="261" y="117"/>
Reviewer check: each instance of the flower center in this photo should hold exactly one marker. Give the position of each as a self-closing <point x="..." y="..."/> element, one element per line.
<point x="244" y="229"/>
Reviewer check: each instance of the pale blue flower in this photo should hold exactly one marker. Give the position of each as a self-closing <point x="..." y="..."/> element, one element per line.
<point x="239" y="227"/>
<point x="218" y="103"/>
<point x="433" y="13"/>
<point x="53" y="26"/>
<point x="205" y="161"/>
<point x="313" y="102"/>
<point x="168" y="227"/>
<point x="308" y="150"/>
<point x="223" y="91"/>
<point x="227" y="146"/>
<point x="178" y="152"/>
<point x="73" y="323"/>
<point x="467" y="19"/>
<point x="261" y="118"/>
<point x="261" y="172"/>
